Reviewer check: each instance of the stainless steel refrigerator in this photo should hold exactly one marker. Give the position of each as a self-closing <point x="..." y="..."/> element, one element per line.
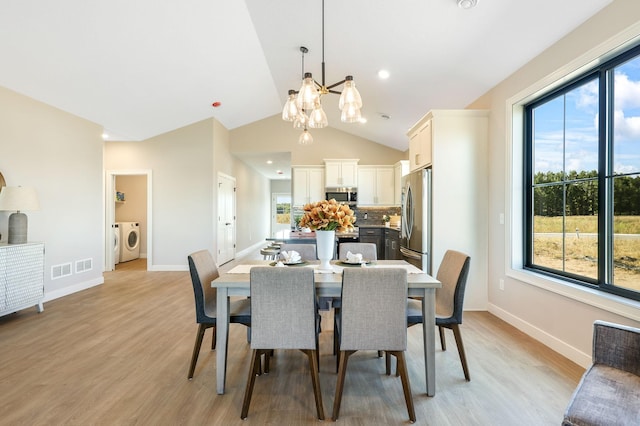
<point x="415" y="229"/>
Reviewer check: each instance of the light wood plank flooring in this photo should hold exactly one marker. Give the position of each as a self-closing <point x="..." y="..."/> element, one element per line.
<point x="118" y="354"/>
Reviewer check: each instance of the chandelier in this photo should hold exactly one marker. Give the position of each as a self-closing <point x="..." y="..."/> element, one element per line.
<point x="304" y="107"/>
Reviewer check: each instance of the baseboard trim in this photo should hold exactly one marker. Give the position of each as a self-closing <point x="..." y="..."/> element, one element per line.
<point x="65" y="291"/>
<point x="566" y="350"/>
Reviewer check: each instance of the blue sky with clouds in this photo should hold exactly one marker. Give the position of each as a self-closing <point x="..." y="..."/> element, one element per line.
<point x="566" y="128"/>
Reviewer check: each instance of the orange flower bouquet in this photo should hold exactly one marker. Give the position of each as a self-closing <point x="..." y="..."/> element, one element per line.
<point x="328" y="215"/>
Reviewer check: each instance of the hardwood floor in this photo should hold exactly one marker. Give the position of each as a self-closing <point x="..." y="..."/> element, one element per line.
<point x="119" y="353"/>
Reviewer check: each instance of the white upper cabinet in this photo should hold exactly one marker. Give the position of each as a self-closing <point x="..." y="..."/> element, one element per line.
<point x="376" y="185"/>
<point x="420" y="141"/>
<point x="308" y="185"/>
<point x="341" y="173"/>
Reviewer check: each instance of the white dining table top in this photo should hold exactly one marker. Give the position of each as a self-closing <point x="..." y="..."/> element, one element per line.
<point x="238" y="276"/>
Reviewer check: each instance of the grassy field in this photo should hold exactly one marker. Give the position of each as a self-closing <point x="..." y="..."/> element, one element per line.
<point x="581" y="251"/>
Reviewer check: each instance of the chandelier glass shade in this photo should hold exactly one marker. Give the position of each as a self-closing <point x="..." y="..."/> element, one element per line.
<point x="304" y="107"/>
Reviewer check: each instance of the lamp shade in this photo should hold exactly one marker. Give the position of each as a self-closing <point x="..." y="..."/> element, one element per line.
<point x="18" y="198"/>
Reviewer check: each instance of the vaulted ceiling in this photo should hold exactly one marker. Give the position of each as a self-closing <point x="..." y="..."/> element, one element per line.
<point x="144" y="67"/>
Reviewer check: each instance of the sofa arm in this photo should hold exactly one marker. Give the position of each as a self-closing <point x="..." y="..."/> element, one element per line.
<point x="617" y="346"/>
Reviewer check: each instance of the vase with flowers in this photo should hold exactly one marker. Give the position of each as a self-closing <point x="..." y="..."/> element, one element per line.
<point x="326" y="217"/>
<point x="386" y="219"/>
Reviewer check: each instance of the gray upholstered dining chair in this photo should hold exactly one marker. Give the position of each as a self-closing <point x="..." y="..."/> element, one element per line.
<point x="452" y="273"/>
<point x="283" y="309"/>
<point x="369" y="252"/>
<point x="374" y="317"/>
<point x="307" y="251"/>
<point x="203" y="270"/>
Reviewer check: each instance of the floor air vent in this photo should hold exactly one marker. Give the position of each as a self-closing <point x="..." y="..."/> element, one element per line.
<point x="60" y="271"/>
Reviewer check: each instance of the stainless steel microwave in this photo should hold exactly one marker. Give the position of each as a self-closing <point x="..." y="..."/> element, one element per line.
<point x="343" y="195"/>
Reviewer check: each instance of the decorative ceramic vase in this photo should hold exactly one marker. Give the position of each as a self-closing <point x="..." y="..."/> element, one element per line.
<point x="325" y="243"/>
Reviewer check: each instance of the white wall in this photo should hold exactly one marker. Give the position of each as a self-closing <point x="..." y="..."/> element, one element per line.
<point x="182" y="170"/>
<point x="185" y="164"/>
<point x="253" y="206"/>
<point x="558" y="315"/>
<point x="61" y="156"/>
<point x="272" y="134"/>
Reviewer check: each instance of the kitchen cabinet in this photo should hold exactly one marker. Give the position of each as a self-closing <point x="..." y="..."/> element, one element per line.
<point x="420" y="141"/>
<point x="392" y="244"/>
<point x="375" y="236"/>
<point x="400" y="169"/>
<point x="376" y="186"/>
<point x="21" y="277"/>
<point x="308" y="185"/>
<point x="341" y="173"/>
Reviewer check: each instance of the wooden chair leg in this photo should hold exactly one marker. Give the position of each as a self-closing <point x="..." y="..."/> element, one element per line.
<point x="443" y="343"/>
<point x="315" y="380"/>
<point x="463" y="357"/>
<point x="342" y="371"/>
<point x="406" y="386"/>
<point x="336" y="340"/>
<point x="387" y="363"/>
<point x="253" y="372"/>
<point x="213" y="340"/>
<point x="196" y="348"/>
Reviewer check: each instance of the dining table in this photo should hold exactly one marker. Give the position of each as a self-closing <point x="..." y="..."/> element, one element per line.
<point x="236" y="282"/>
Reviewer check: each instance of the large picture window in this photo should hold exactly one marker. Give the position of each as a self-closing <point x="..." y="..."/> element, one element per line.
<point x="582" y="179"/>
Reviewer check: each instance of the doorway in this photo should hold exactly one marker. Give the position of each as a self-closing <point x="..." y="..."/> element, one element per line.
<point x="226" y="218"/>
<point x="280" y="215"/>
<point x="128" y="199"/>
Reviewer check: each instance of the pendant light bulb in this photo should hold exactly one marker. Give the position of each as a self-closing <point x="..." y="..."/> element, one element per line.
<point x="301" y="121"/>
<point x="318" y="118"/>
<point x="351" y="114"/>
<point x="350" y="94"/>
<point x="290" y="111"/>
<point x="308" y="93"/>
<point x="305" y="138"/>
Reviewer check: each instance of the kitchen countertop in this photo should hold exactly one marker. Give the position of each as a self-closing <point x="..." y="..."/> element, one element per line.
<point x="397" y="228"/>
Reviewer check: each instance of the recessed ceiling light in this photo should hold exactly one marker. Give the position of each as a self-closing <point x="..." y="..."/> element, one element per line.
<point x="383" y="74"/>
<point x="362" y="120"/>
<point x="105" y="136"/>
<point x="269" y="162"/>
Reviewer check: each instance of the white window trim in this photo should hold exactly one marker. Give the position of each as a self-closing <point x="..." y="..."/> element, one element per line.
<point x="514" y="238"/>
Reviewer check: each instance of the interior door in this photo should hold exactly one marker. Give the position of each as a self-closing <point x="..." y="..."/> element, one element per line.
<point x="226" y="218"/>
<point x="280" y="215"/>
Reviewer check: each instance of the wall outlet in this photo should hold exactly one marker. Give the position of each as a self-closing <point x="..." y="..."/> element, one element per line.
<point x="501" y="284"/>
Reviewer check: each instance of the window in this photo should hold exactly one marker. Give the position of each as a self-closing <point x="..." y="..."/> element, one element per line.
<point x="582" y="179"/>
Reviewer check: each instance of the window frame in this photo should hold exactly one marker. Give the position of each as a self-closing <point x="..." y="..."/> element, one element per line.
<point x="603" y="74"/>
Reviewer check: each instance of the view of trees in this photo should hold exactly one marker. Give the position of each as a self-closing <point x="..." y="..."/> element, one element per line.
<point x="582" y="194"/>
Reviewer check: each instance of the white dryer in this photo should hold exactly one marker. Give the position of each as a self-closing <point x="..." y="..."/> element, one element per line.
<point x="129" y="241"/>
<point x="116" y="243"/>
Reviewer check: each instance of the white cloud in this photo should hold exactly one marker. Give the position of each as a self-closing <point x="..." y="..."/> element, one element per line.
<point x="627" y="92"/>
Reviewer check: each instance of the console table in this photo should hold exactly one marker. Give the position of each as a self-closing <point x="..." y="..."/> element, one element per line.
<point x="21" y="277"/>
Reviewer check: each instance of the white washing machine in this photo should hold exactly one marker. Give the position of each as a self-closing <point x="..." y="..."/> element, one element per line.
<point x="129" y="241"/>
<point x="116" y="243"/>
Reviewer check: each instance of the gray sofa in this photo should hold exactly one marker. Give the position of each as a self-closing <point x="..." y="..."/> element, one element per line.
<point x="609" y="392"/>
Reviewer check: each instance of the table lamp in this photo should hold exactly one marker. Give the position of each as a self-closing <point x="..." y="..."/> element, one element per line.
<point x="18" y="199"/>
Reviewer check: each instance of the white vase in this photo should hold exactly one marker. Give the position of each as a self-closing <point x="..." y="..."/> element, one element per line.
<point x="325" y="242"/>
